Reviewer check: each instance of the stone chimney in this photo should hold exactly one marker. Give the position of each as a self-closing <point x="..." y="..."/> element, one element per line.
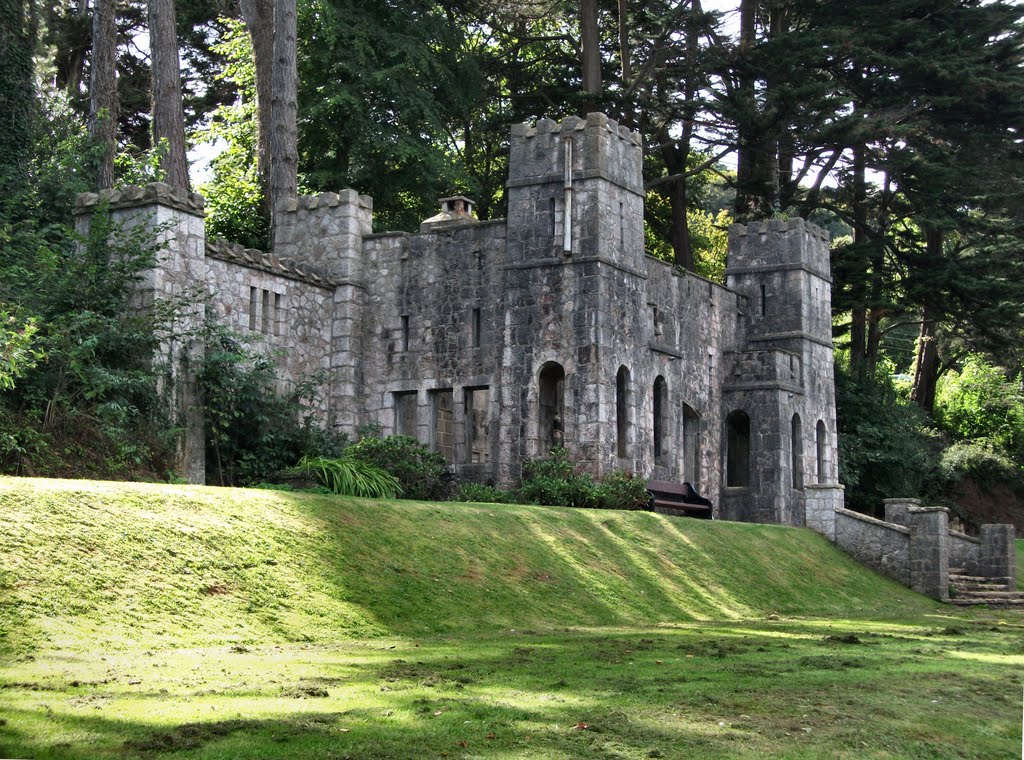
<point x="455" y="210"/>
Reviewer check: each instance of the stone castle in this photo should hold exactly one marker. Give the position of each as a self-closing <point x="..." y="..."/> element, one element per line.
<point x="495" y="341"/>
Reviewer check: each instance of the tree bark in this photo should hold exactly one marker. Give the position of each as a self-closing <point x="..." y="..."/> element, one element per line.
<point x="103" y="90"/>
<point x="168" y="112"/>
<point x="259" y="20"/>
<point x="858" y="325"/>
<point x="591" y="52"/>
<point x="746" y="139"/>
<point x="625" y="64"/>
<point x="926" y="368"/>
<point x="284" y="154"/>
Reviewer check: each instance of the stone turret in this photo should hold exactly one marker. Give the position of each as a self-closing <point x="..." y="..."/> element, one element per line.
<point x="176" y="219"/>
<point x="780" y="394"/>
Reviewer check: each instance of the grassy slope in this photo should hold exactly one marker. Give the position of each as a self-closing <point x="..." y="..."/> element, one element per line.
<point x="208" y="624"/>
<point x="123" y="564"/>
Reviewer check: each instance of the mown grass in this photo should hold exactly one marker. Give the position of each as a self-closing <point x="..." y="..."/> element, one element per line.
<point x="164" y="621"/>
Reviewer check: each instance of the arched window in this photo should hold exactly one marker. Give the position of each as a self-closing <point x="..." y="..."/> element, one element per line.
<point x="797" y="453"/>
<point x="737" y="460"/>
<point x="822" y="440"/>
<point x="660" y="420"/>
<point x="691" y="445"/>
<point x="551" y="421"/>
<point x="622" y="391"/>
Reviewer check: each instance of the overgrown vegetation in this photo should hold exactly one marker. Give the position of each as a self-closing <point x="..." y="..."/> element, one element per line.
<point x="556" y="480"/>
<point x="347" y="476"/>
<point x="421" y="472"/>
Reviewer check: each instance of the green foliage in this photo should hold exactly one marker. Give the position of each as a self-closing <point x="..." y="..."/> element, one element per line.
<point x="886" y="447"/>
<point x="557" y="481"/>
<point x="254" y="432"/>
<point x="233" y="195"/>
<point x="978" y="404"/>
<point x="348" y="476"/>
<point x="622" y="490"/>
<point x="485" y="494"/>
<point x="978" y="461"/>
<point x="17" y="353"/>
<point x="420" y="472"/>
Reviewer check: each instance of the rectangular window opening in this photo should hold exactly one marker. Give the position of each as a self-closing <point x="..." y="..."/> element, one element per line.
<point x="253" y="300"/>
<point x="475" y="327"/>
<point x="477" y="426"/>
<point x="265" y="315"/>
<point x="405" y="413"/>
<point x="278" y="315"/>
<point x="405" y="332"/>
<point x="442" y="434"/>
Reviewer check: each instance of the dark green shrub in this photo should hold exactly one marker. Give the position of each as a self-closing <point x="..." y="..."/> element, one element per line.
<point x="556" y="481"/>
<point x="886" y="446"/>
<point x="980" y="461"/>
<point x="485" y="494"/>
<point x="422" y="473"/>
<point x="622" y="490"/>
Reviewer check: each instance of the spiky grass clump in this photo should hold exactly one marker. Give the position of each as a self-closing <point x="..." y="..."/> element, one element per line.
<point x="347" y="476"/>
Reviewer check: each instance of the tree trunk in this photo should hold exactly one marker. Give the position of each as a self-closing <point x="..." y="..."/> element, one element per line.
<point x="16" y="96"/>
<point x="629" y="117"/>
<point x="591" y="52"/>
<point x="259" y="20"/>
<point x="168" y="113"/>
<point x="103" y="90"/>
<point x="858" y="326"/>
<point x="746" y="138"/>
<point x="926" y="371"/>
<point x="284" y="139"/>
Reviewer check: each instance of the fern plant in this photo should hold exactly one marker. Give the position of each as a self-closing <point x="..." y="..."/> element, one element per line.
<point x="347" y="476"/>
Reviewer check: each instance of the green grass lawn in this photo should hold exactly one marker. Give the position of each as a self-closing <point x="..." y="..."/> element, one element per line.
<point x="172" y="621"/>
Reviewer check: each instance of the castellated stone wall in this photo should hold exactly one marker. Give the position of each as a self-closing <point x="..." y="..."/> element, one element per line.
<point x="494" y="342"/>
<point x="282" y="309"/>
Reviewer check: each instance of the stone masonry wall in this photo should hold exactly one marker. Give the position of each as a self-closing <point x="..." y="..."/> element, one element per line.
<point x="884" y="547"/>
<point x="283" y="310"/>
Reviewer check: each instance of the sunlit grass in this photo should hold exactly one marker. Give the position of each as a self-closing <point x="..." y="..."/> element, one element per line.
<point x="170" y="621"/>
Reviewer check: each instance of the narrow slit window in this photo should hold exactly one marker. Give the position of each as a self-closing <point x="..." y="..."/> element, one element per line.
<point x="764" y="299"/>
<point x="405" y="332"/>
<point x="253" y="300"/>
<point x="278" y="316"/>
<point x="551" y="206"/>
<point x="622" y="224"/>
<point x="265" y="315"/>
<point x="475" y="326"/>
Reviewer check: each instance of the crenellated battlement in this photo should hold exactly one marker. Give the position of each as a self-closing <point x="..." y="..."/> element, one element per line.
<point x="600" y="148"/>
<point x="326" y="200"/>
<point x="134" y="196"/>
<point x="593" y="122"/>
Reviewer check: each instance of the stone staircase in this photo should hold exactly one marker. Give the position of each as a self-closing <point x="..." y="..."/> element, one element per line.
<point x="978" y="590"/>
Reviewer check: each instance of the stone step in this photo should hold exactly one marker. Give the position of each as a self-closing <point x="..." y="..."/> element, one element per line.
<point x="995" y="594"/>
<point x="955" y="577"/>
<point x="978" y="601"/>
<point x="968" y="587"/>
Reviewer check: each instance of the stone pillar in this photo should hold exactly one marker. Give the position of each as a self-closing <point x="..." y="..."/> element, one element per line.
<point x="326" y="232"/>
<point x="929" y="551"/>
<point x="999" y="554"/>
<point x="821" y="503"/>
<point x="896" y="510"/>
<point x="176" y="220"/>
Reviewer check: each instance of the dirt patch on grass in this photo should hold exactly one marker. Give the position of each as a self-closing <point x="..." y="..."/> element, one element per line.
<point x="190" y="735"/>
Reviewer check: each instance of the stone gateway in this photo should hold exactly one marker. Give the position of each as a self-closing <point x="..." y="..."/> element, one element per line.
<point x="495" y="341"/>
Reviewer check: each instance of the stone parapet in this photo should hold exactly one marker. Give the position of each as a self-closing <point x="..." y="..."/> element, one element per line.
<point x="896" y="510"/>
<point x="267" y="262"/>
<point x="134" y="196"/>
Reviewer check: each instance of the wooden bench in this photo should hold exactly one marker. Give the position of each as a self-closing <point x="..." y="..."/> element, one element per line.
<point x="677" y="499"/>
